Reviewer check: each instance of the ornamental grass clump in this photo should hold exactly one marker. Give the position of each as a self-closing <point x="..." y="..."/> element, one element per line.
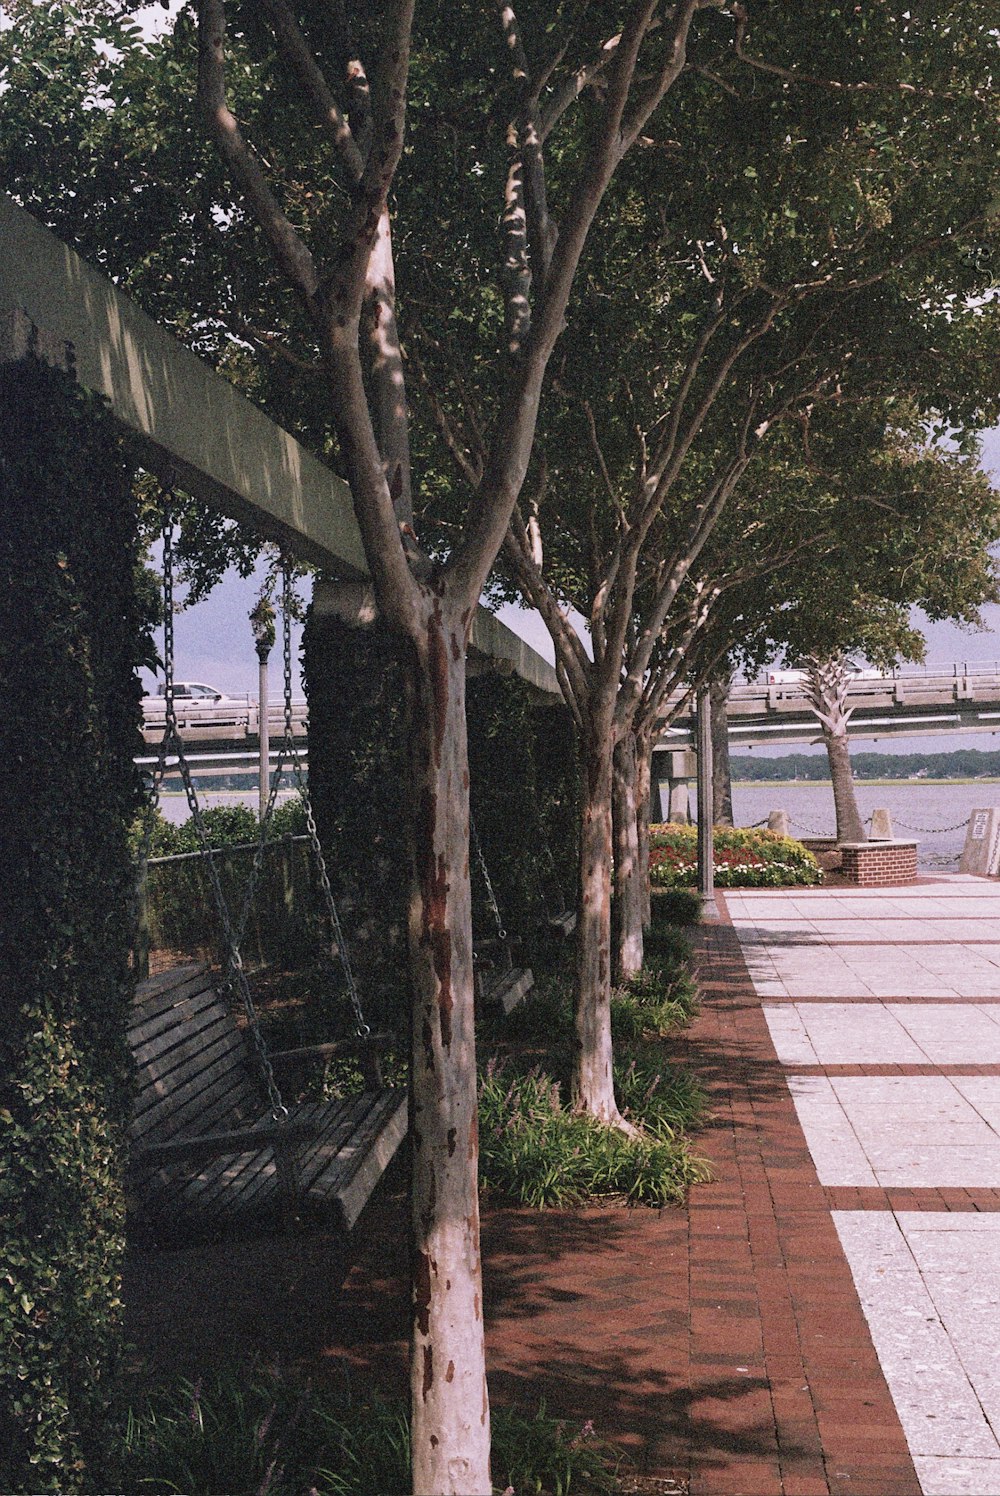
<point x="661" y="998"/>
<point x="266" y="1434"/>
<point x="535" y="1150"/>
<point x="744" y="858"/>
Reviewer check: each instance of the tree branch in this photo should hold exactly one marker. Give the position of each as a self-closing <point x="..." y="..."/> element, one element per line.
<point x="292" y="256"/>
<point x="326" y="110"/>
<point x="568" y="645"/>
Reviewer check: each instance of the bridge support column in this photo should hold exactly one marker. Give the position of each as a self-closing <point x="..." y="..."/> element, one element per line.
<point x="673" y="770"/>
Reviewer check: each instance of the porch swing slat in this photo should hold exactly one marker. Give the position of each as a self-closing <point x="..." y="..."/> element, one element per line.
<point x="196" y="1077"/>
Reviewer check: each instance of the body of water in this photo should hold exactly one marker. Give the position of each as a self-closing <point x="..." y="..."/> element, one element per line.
<point x="174" y="806"/>
<point x="935" y="814"/>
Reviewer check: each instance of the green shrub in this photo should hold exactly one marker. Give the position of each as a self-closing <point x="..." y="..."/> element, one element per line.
<point x="285" y="919"/>
<point x="663" y="996"/>
<point x="744" y="858"/>
<point x="650" y="1009"/>
<point x="71" y="635"/>
<point x="359" y="785"/>
<point x="673" y="906"/>
<point x="665" y="1100"/>
<point x="265" y="1434"/>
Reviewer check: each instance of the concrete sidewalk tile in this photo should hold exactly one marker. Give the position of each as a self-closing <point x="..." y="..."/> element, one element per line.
<point x="958" y="1476"/>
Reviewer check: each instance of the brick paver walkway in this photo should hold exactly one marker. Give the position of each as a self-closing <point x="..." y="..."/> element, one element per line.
<point x="724" y="1345"/>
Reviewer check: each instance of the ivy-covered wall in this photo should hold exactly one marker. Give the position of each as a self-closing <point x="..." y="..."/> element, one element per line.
<point x="70" y="632"/>
<point x="522" y="769"/>
<point x="358" y="786"/>
<point x="522" y="765"/>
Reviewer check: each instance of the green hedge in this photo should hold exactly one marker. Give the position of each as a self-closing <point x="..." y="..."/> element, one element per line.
<point x="523" y="788"/>
<point x="522" y="768"/>
<point x="71" y="634"/>
<point x="744" y="858"/>
<point x="358" y="787"/>
<point x="178" y="911"/>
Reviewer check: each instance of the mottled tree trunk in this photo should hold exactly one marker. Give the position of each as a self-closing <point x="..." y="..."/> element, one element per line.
<point x="643" y="780"/>
<point x="826" y="686"/>
<point x="722" y="781"/>
<point x="627" y="905"/>
<point x="450" y="1408"/>
<point x="593" y="1079"/>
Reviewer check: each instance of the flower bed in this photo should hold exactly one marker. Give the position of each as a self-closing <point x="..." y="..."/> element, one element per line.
<point x="744" y="858"/>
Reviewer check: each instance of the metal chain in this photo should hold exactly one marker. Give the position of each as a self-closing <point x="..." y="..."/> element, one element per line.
<point x="926" y="830"/>
<point x="553" y="870"/>
<point x="235" y="976"/>
<point x="491" y="897"/>
<point x="930" y="830"/>
<point x="338" y="943"/>
<point x="810" y="829"/>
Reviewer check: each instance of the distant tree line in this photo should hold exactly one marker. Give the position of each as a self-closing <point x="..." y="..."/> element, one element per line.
<point x="960" y="763"/>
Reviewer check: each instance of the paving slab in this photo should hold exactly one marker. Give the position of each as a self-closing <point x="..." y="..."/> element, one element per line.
<point x="924" y="969"/>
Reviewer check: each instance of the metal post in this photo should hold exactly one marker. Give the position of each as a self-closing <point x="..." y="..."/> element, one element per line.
<point x="262" y="624"/>
<point x="264" y="774"/>
<point x="706" y="843"/>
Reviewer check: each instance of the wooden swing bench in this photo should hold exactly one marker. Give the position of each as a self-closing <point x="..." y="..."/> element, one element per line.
<point x="499" y="983"/>
<point x="563" y="923"/>
<point x="207" y="1153"/>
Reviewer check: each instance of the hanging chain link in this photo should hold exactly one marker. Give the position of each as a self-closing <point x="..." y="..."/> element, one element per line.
<point x="810" y="830"/>
<point x="235" y="979"/>
<point x="491" y="897"/>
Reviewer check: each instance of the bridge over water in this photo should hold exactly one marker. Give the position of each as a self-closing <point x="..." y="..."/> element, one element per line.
<point x="908" y="702"/>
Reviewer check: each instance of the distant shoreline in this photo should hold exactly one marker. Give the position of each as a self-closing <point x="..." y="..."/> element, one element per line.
<point x="754" y="784"/>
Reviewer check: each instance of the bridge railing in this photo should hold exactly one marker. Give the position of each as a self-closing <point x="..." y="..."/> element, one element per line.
<point x="228" y="720"/>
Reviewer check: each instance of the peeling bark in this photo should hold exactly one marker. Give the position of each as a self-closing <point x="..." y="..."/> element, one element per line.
<point x="384" y="371"/>
<point x="450" y="1408"/>
<point x="627" y="905"/>
<point x="643" y="778"/>
<point x="722" y="780"/>
<point x="593" y="1078"/>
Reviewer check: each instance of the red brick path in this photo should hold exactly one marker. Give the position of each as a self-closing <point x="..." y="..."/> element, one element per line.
<point x="723" y="1345"/>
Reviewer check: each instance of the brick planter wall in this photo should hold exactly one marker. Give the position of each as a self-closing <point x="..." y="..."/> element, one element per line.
<point x="879" y="864"/>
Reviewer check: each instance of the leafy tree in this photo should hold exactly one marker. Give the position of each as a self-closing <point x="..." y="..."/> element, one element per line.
<point x="825" y="255"/>
<point x="316" y="197"/>
<point x="892" y="521"/>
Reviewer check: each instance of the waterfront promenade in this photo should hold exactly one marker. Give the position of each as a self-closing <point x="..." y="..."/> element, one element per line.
<point x="821" y="1319"/>
<point x="883" y="1010"/>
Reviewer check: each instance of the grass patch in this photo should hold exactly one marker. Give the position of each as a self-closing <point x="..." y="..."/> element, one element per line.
<point x="264" y="1435"/>
<point x="662" y="998"/>
<point x="535" y="1150"/>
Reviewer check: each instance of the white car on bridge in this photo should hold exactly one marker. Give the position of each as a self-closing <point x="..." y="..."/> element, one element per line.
<point x="193" y="698"/>
<point x="191" y="692"/>
<point x="856" y="672"/>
